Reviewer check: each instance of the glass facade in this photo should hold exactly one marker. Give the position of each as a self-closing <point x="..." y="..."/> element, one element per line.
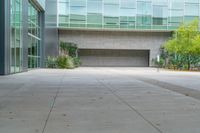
<point x="34" y="37"/>
<point x="42" y="3"/>
<point x="16" y="36"/>
<point x="126" y="14"/>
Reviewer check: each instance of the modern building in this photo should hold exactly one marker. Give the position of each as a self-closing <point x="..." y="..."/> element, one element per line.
<point x="28" y="33"/>
<point x="107" y="32"/>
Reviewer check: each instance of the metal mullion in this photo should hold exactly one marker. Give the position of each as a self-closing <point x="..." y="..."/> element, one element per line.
<point x="86" y="17"/>
<point x="38" y="51"/>
<point x="31" y="58"/>
<point x="119" y="16"/>
<point x="31" y="54"/>
<point x="11" y="36"/>
<point x="136" y="7"/>
<point x="35" y="54"/>
<point x="168" y="14"/>
<point x="151" y="15"/>
<point x="14" y="37"/>
<point x="184" y="6"/>
<point x="21" y="36"/>
<point x="103" y="14"/>
<point x="69" y="13"/>
<point x="57" y="16"/>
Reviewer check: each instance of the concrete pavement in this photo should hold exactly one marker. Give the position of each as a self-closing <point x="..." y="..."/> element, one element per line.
<point x="100" y="100"/>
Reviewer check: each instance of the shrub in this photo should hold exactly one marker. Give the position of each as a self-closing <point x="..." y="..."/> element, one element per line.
<point x="161" y="63"/>
<point x="77" y="61"/>
<point x="69" y="48"/>
<point x="61" y="62"/>
<point x="70" y="63"/>
<point x="51" y="62"/>
<point x="68" y="58"/>
<point x="65" y="62"/>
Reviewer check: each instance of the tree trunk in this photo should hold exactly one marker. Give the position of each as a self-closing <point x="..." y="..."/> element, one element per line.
<point x="189" y="64"/>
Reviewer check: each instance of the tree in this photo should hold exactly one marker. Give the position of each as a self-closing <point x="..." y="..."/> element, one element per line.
<point x="185" y="42"/>
<point x="196" y="46"/>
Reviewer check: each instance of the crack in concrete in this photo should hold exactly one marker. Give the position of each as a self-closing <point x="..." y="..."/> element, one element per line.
<point x="52" y="105"/>
<point x="131" y="107"/>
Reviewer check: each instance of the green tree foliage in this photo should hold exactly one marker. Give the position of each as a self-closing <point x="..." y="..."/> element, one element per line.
<point x="69" y="48"/>
<point x="184" y="46"/>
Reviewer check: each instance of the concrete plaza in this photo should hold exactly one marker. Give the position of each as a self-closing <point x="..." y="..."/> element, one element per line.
<point x="100" y="100"/>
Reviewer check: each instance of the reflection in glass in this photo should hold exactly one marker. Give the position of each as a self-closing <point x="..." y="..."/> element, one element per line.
<point x="16" y="36"/>
<point x="34" y="38"/>
<point x="126" y="14"/>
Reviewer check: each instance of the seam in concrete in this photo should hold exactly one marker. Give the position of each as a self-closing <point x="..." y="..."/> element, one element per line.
<point x="189" y="92"/>
<point x="52" y="106"/>
<point x="175" y="88"/>
<point x="131" y="107"/>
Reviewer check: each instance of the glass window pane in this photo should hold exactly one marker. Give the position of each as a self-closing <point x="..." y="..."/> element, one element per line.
<point x="34" y="34"/>
<point x="16" y="36"/>
<point x="191" y="9"/>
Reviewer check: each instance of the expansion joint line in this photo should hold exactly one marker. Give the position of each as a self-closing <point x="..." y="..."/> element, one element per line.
<point x="52" y="105"/>
<point x="131" y="107"/>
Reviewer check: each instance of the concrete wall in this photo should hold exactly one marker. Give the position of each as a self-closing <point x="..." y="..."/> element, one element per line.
<point x="51" y="31"/>
<point x="114" y="58"/>
<point x="116" y="40"/>
<point x="2" y="37"/>
<point x="25" y="34"/>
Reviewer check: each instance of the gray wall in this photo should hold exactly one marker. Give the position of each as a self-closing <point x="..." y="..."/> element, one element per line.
<point x="114" y="58"/>
<point x="25" y="34"/>
<point x="51" y="31"/>
<point x="2" y="37"/>
<point x="116" y="40"/>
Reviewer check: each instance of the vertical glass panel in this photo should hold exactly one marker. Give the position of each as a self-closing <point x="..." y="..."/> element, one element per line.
<point x="176" y="13"/>
<point x="34" y="37"/>
<point x="144" y="14"/>
<point x="127" y="13"/>
<point x="191" y="9"/>
<point x="63" y="13"/>
<point x="160" y="14"/>
<point x="176" y="4"/>
<point x="94" y="13"/>
<point x="78" y="13"/>
<point x="176" y="17"/>
<point x="16" y="36"/>
<point x="63" y="8"/>
<point x="111" y="14"/>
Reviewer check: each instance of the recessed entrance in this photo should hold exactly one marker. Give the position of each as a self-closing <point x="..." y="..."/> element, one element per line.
<point x="114" y="58"/>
